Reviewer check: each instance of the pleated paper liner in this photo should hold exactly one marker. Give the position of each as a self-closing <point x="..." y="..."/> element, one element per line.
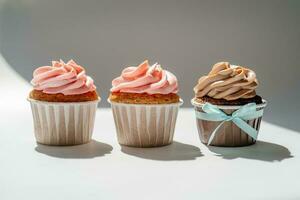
<point x="60" y="123"/>
<point x="228" y="135"/>
<point x="143" y="125"/>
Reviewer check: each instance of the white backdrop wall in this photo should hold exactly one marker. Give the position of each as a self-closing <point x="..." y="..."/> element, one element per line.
<point x="186" y="37"/>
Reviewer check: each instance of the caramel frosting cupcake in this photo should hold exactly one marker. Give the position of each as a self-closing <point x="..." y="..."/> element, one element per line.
<point x="145" y="104"/>
<point x="228" y="85"/>
<point x="223" y="91"/>
<point x="64" y="102"/>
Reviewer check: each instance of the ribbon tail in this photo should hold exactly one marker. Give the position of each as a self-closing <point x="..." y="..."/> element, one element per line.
<point x="211" y="116"/>
<point x="212" y="136"/>
<point x="246" y="127"/>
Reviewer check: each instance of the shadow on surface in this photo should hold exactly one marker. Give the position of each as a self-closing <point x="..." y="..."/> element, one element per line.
<point x="89" y="150"/>
<point x="174" y="151"/>
<point x="264" y="151"/>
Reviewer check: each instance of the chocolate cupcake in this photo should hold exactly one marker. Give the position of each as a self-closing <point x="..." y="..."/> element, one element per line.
<point x="228" y="110"/>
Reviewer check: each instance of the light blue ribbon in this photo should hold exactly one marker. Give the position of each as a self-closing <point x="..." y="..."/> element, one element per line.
<point x="244" y="113"/>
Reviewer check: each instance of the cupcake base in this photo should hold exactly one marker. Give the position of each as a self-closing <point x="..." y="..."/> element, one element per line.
<point x="229" y="134"/>
<point x="139" y="125"/>
<point x="63" y="123"/>
<point x="41" y="96"/>
<point x="239" y="102"/>
<point x="143" y="98"/>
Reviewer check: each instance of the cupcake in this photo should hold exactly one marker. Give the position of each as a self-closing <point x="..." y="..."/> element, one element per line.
<point x="64" y="102"/>
<point x="228" y="110"/>
<point x="145" y="104"/>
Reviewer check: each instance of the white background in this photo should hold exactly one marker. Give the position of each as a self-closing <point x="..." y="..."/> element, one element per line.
<point x="186" y="37"/>
<point x="102" y="169"/>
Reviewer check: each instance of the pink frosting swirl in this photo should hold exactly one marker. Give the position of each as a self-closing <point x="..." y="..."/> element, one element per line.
<point x="66" y="78"/>
<point x="145" y="79"/>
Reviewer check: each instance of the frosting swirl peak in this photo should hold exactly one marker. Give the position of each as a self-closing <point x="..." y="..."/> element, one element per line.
<point x="66" y="78"/>
<point x="229" y="82"/>
<point x="145" y="79"/>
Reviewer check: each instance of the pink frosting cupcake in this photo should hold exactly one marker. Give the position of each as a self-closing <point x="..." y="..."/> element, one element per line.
<point x="145" y="104"/>
<point x="64" y="102"/>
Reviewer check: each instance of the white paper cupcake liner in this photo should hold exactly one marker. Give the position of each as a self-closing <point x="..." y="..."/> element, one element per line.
<point x="143" y="125"/>
<point x="59" y="123"/>
<point x="229" y="134"/>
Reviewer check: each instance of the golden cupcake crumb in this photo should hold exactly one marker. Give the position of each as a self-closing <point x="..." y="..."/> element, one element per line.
<point x="144" y="98"/>
<point x="41" y="96"/>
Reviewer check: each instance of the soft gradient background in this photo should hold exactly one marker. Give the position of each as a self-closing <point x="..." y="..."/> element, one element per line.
<point x="186" y="37"/>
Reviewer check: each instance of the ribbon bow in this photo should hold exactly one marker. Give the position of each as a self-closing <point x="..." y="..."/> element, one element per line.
<point x="246" y="112"/>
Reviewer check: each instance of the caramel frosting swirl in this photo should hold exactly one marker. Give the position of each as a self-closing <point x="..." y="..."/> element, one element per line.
<point x="229" y="82"/>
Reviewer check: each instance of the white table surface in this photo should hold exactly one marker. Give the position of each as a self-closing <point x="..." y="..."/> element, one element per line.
<point x="102" y="169"/>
